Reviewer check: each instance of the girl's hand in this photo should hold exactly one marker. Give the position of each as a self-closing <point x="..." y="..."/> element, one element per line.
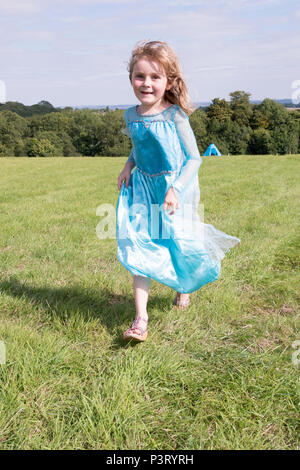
<point x="124" y="175"/>
<point x="171" y="201"/>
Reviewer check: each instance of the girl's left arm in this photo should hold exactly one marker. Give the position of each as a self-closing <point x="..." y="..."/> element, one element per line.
<point x="188" y="144"/>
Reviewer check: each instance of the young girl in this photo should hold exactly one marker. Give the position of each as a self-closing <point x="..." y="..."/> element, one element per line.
<point x="159" y="232"/>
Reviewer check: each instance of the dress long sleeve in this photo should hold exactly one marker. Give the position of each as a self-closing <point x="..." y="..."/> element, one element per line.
<point x="188" y="144"/>
<point x="131" y="158"/>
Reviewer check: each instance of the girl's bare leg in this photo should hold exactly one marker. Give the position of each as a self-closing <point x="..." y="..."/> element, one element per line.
<point x="182" y="300"/>
<point x="183" y="297"/>
<point x="141" y="291"/>
<point x="139" y="328"/>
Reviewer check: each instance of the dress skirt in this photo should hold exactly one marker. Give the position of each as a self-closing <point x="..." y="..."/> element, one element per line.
<point x="177" y="250"/>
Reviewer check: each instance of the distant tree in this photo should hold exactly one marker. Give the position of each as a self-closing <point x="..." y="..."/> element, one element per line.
<point x="199" y="123"/>
<point x="53" y="138"/>
<point x="215" y="135"/>
<point x="60" y="140"/>
<point x="3" y="150"/>
<point x="220" y="110"/>
<point x="15" y="107"/>
<point x="111" y="141"/>
<point x="43" y="107"/>
<point x="237" y="137"/>
<point x="39" y="147"/>
<point x="283" y="126"/>
<point x="12" y="129"/>
<point x="241" y="107"/>
<point x="68" y="148"/>
<point x="67" y="109"/>
<point x="273" y="113"/>
<point x="84" y="131"/>
<point x="286" y="137"/>
<point x="19" y="149"/>
<point x="46" y="104"/>
<point x="55" y="122"/>
<point x="238" y="98"/>
<point x="261" y="142"/>
<point x="258" y="119"/>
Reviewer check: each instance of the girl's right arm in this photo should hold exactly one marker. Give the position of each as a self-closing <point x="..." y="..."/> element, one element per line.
<point x="130" y="164"/>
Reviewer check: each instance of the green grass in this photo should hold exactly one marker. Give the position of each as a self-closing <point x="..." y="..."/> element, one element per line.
<point x="219" y="376"/>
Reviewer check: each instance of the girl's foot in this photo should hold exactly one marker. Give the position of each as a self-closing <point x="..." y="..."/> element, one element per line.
<point x="182" y="300"/>
<point x="138" y="330"/>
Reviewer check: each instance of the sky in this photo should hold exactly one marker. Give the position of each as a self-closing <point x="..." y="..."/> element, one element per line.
<point x="76" y="52"/>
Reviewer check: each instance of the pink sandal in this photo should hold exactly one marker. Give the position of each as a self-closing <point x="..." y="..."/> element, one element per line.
<point x="183" y="304"/>
<point x="136" y="332"/>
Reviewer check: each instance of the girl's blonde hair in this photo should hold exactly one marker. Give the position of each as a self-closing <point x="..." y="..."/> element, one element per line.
<point x="162" y="53"/>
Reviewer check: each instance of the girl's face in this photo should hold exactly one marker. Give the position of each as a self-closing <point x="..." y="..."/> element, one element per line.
<point x="149" y="82"/>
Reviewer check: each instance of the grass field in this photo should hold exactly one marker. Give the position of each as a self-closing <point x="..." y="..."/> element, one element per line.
<point x="218" y="376"/>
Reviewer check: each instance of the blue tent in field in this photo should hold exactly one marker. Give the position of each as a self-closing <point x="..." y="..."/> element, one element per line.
<point x="211" y="150"/>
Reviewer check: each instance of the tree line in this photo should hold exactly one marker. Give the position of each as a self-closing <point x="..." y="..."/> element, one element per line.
<point x="236" y="127"/>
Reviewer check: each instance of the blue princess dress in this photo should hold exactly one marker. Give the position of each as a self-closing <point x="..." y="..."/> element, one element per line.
<point x="178" y="250"/>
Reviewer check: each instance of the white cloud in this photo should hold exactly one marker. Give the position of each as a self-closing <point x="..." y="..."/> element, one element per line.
<point x="15" y="7"/>
<point x="253" y="2"/>
<point x="104" y="75"/>
<point x="94" y="2"/>
<point x="18" y="6"/>
<point x="39" y="35"/>
<point x="72" y="19"/>
<point x="248" y="3"/>
<point x="218" y="67"/>
<point x="193" y="24"/>
<point x="232" y="4"/>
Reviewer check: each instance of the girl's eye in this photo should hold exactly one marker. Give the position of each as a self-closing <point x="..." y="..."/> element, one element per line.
<point x="155" y="77"/>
